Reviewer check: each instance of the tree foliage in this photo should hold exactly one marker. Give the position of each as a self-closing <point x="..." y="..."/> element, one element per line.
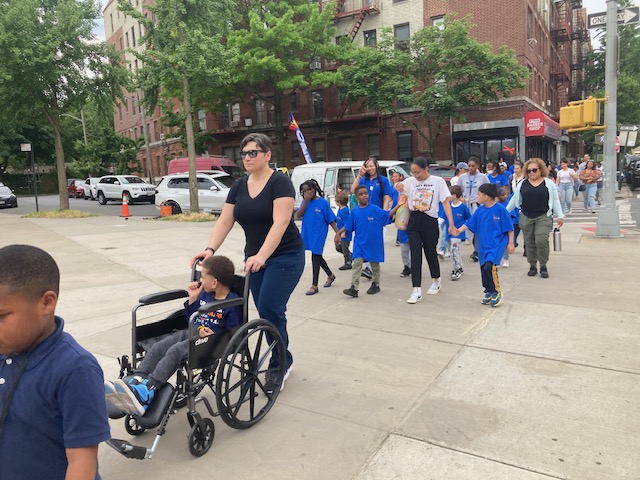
<point x="274" y="44"/>
<point x="442" y="69"/>
<point x="51" y="63"/>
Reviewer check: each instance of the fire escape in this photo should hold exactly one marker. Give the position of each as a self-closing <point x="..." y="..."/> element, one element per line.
<point x="561" y="45"/>
<point x="357" y="9"/>
<point x="579" y="36"/>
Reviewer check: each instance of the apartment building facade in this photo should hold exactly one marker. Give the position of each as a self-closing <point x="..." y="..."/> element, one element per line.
<point x="548" y="36"/>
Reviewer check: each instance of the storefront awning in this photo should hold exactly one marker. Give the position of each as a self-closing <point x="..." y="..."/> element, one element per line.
<point x="537" y="124"/>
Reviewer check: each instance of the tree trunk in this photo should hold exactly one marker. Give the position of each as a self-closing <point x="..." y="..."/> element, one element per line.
<point x="279" y="129"/>
<point x="54" y="119"/>
<point x="191" y="148"/>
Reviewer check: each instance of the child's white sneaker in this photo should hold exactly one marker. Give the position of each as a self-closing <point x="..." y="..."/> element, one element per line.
<point x="416" y="295"/>
<point x="505" y="263"/>
<point x="434" y="288"/>
<point x="447" y="255"/>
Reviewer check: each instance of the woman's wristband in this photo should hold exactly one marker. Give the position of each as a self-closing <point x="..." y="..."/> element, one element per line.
<point x="211" y="249"/>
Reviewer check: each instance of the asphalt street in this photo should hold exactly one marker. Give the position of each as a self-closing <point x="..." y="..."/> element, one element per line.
<point x="52" y="202"/>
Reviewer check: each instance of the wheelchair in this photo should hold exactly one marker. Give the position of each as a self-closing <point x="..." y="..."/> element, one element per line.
<point x="233" y="364"/>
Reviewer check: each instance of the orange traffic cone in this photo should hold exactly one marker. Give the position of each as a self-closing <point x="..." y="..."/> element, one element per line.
<point x="125" y="206"/>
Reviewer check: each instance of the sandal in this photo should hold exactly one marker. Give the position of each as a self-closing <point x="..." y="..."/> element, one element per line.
<point x="312" y="291"/>
<point x="329" y="281"/>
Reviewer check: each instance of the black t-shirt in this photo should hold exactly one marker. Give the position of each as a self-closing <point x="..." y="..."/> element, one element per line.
<point x="255" y="215"/>
<point x="535" y="200"/>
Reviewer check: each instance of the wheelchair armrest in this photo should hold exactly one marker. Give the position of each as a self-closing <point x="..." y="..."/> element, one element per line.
<point x="217" y="304"/>
<point x="163" y="297"/>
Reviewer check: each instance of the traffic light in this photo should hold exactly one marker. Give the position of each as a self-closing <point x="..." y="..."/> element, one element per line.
<point x="582" y="114"/>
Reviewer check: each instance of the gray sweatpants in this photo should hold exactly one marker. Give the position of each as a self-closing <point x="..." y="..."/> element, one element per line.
<point x="165" y="357"/>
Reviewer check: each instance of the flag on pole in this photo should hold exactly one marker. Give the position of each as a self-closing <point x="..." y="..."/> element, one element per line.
<point x="293" y="125"/>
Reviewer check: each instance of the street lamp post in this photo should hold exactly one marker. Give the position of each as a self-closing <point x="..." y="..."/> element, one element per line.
<point x="81" y="120"/>
<point x="145" y="135"/>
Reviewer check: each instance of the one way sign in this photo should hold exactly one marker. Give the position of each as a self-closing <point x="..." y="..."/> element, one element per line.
<point x="626" y="16"/>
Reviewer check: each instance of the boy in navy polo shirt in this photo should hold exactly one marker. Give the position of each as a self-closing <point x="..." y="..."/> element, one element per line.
<point x="492" y="224"/>
<point x="367" y="222"/>
<point x="53" y="413"/>
<point x="165" y="357"/>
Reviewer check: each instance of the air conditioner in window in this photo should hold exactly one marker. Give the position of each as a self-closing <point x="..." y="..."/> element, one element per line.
<point x="248" y="122"/>
<point x="235" y="123"/>
<point x="315" y="65"/>
<point x="548" y="103"/>
<point x="346" y="159"/>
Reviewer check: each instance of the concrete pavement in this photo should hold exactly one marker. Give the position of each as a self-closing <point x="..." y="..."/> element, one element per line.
<point x="545" y="386"/>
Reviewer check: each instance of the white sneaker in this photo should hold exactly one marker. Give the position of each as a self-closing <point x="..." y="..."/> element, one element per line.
<point x="416" y="295"/>
<point x="440" y="253"/>
<point x="447" y="255"/>
<point x="434" y="288"/>
<point x="505" y="263"/>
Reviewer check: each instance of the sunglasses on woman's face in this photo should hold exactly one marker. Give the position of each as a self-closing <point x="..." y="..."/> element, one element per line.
<point x="251" y="153"/>
<point x="532" y="170"/>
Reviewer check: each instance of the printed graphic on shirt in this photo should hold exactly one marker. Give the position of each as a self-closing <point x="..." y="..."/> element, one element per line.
<point x="209" y="319"/>
<point x="422" y="198"/>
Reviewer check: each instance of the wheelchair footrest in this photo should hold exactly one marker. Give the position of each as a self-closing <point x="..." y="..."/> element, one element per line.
<point x="126" y="449"/>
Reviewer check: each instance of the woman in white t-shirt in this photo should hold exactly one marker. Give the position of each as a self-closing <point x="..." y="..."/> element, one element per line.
<point x="424" y="193"/>
<point x="565" y="180"/>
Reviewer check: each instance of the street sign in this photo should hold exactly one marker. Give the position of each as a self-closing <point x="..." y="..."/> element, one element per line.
<point x="25" y="147"/>
<point x="629" y="128"/>
<point x="599" y="138"/>
<point x="631" y="141"/>
<point x="626" y="16"/>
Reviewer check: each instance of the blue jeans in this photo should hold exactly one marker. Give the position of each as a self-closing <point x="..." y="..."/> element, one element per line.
<point x="271" y="288"/>
<point x="589" y="195"/>
<point x="566" y="194"/>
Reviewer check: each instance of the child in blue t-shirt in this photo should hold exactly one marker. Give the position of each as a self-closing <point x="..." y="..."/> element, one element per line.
<point x="492" y="224"/>
<point x="316" y="215"/>
<point x="165" y="357"/>
<point x="342" y="200"/>
<point x="460" y="213"/>
<point x="366" y="222"/>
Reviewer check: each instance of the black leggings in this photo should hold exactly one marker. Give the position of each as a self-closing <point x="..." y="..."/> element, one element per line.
<point x="423" y="234"/>
<point x="318" y="261"/>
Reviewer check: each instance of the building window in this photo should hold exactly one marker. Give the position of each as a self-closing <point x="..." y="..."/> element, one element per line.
<point x="529" y="24"/>
<point x="404" y="147"/>
<point x="319" y="150"/>
<point x="346" y="154"/>
<point x="111" y="21"/>
<point x="126" y="36"/>
<point x="133" y="36"/>
<point x="120" y="112"/>
<point x="437" y="22"/>
<point x="261" y="112"/>
<point x="373" y="145"/>
<point x="202" y="119"/>
<point x="235" y="112"/>
<point x="295" y="152"/>
<point x="370" y="38"/>
<point x="401" y="34"/>
<point x="317" y="101"/>
<point x="293" y="102"/>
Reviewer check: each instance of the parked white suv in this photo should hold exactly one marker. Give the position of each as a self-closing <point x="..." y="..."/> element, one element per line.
<point x="114" y="187"/>
<point x="213" y="189"/>
<point x="90" y="188"/>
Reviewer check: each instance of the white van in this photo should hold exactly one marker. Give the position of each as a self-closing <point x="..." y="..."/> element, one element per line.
<point x="333" y="175"/>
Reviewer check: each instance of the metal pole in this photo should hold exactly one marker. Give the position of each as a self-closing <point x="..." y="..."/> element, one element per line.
<point x="35" y="178"/>
<point x="84" y="126"/>
<point x="608" y="224"/>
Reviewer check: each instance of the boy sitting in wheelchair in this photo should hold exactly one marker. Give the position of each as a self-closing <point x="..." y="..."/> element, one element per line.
<point x="166" y="356"/>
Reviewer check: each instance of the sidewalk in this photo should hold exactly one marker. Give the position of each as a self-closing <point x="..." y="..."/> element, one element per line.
<point x="545" y="386"/>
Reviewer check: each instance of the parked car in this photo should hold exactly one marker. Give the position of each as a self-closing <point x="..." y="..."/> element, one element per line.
<point x="89" y="186"/>
<point x="213" y="189"/>
<point x="75" y="188"/>
<point x="443" y="171"/>
<point x="115" y="187"/>
<point x="8" y="199"/>
<point x="632" y="172"/>
<point x="214" y="162"/>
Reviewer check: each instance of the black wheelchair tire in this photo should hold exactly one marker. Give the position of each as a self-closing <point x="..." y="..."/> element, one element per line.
<point x="200" y="442"/>
<point x="132" y="426"/>
<point x="242" y="367"/>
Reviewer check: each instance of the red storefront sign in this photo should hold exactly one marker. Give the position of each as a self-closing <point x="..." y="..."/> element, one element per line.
<point x="537" y="124"/>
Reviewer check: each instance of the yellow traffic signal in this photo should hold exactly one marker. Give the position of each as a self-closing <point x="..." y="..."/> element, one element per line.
<point x="571" y="117"/>
<point x="581" y="115"/>
<point x="591" y="111"/>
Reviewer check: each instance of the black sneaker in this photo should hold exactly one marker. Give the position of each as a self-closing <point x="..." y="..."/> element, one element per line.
<point x="351" y="291"/>
<point x="474" y="256"/>
<point x="533" y="271"/>
<point x="367" y="273"/>
<point x="346" y="266"/>
<point x="374" y="288"/>
<point x="543" y="271"/>
<point x="406" y="272"/>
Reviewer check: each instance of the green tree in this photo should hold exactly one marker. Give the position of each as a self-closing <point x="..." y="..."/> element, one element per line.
<point x="441" y="70"/>
<point x="51" y="62"/>
<point x="185" y="58"/>
<point x="274" y="44"/>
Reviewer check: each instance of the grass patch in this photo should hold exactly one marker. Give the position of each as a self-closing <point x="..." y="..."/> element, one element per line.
<point x="189" y="217"/>
<point x="61" y="214"/>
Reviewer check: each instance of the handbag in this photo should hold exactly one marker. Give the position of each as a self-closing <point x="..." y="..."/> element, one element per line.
<point x="402" y="217"/>
<point x="582" y="188"/>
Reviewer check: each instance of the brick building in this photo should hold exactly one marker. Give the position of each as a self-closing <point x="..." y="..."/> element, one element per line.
<point x="549" y="37"/>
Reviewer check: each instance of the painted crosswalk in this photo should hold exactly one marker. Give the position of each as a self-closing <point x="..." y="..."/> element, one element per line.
<point x="581" y="216"/>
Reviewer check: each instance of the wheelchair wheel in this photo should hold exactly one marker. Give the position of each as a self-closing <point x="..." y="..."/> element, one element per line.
<point x="241" y="397"/>
<point x="132" y="426"/>
<point x="200" y="441"/>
